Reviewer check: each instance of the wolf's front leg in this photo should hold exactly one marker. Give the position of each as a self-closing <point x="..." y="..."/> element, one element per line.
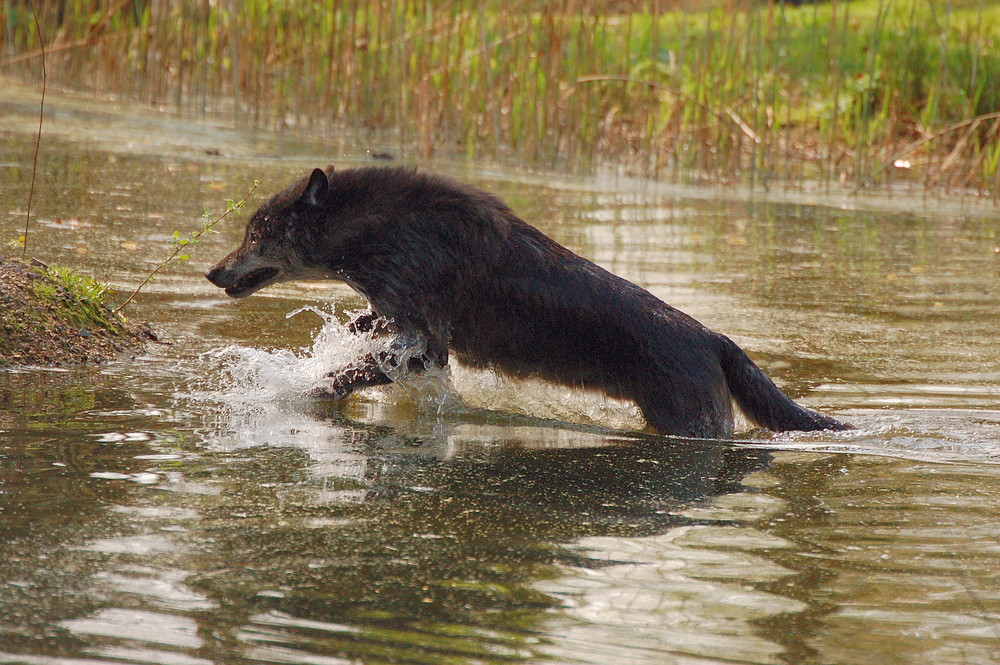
<point x="344" y="382"/>
<point x="370" y="322"/>
<point x="369" y="372"/>
<point x="403" y="358"/>
<point x="411" y="350"/>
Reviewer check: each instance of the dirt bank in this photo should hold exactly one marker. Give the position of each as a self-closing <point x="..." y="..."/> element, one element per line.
<point x="49" y="317"/>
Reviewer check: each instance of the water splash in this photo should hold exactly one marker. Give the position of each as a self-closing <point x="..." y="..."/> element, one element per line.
<point x="262" y="396"/>
<point x="248" y="376"/>
<point x="265" y="397"/>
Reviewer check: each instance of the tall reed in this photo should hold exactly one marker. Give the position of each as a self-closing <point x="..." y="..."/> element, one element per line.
<point x="752" y="90"/>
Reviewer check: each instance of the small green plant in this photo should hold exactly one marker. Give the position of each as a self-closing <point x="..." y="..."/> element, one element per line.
<point x="83" y="288"/>
<point x="76" y="298"/>
<point x="45" y="290"/>
<point x="180" y="242"/>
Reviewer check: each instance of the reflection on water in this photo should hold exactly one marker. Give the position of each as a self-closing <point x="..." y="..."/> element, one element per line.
<point x="193" y="507"/>
<point x="365" y="543"/>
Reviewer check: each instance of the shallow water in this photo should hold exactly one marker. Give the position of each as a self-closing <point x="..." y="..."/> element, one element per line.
<point x="192" y="506"/>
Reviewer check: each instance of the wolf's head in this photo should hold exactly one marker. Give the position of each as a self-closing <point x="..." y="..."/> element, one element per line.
<point x="271" y="251"/>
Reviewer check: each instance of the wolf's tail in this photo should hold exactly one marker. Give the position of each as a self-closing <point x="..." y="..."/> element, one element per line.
<point x="761" y="400"/>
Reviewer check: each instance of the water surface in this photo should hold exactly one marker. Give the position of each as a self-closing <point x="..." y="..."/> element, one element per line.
<point x="191" y="507"/>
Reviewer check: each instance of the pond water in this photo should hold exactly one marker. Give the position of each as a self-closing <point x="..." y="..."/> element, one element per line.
<point x="191" y="507"/>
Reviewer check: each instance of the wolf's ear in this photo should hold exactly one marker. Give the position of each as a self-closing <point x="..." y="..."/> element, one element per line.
<point x="316" y="190"/>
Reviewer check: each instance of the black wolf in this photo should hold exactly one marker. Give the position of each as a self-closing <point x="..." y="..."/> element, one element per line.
<point x="450" y="269"/>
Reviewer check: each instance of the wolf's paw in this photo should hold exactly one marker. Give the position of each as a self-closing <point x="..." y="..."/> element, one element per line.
<point x="326" y="393"/>
<point x="337" y="389"/>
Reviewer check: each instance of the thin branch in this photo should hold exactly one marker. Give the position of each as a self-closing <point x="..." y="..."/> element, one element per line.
<point x="56" y="48"/>
<point x="95" y="34"/>
<point x="232" y="207"/>
<point x="38" y="138"/>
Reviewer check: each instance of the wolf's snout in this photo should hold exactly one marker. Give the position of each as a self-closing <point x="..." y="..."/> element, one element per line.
<point x="217" y="275"/>
<point x="214" y="275"/>
<point x="241" y="279"/>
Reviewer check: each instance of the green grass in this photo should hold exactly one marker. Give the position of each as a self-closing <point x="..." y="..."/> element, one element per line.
<point x="750" y="91"/>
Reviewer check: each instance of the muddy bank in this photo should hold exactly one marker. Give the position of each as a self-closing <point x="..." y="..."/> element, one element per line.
<point x="54" y="317"/>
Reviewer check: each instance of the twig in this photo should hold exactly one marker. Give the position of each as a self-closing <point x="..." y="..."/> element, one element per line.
<point x="921" y="142"/>
<point x="56" y="48"/>
<point x="95" y="34"/>
<point x="991" y="135"/>
<point x="38" y="138"/>
<point x="181" y="244"/>
<point x="955" y="152"/>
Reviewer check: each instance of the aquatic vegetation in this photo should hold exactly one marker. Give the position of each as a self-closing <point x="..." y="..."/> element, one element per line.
<point x="859" y="92"/>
